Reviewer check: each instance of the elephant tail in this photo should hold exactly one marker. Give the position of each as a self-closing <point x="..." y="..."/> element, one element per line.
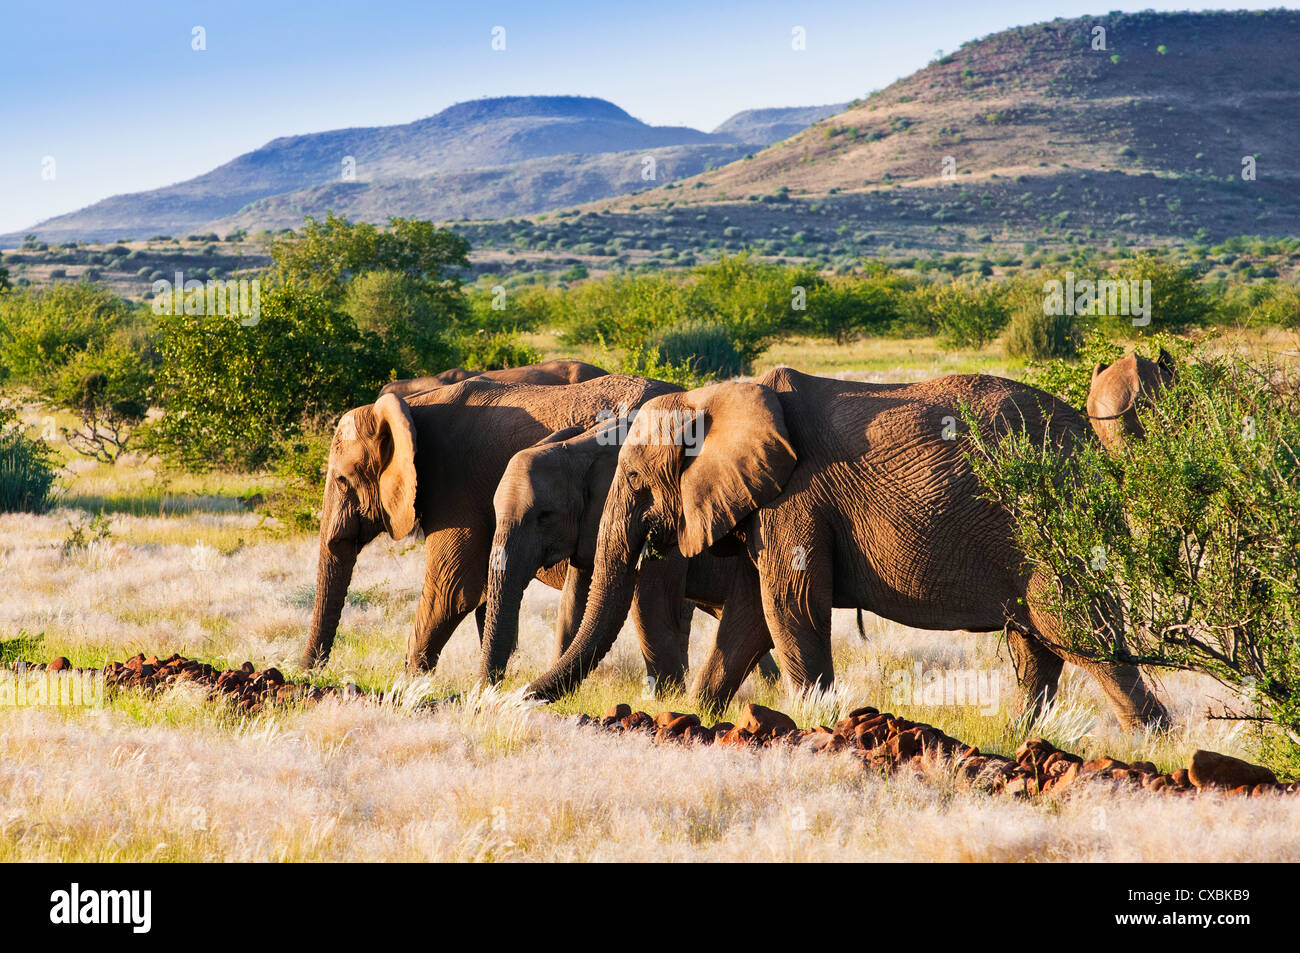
<point x="862" y="629"/>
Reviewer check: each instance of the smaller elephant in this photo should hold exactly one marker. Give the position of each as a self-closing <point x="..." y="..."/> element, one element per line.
<point x="548" y="507"/>
<point x="556" y="373"/>
<point x="1120" y="390"/>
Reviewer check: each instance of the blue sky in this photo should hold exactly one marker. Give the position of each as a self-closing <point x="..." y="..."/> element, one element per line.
<point x="115" y="94"/>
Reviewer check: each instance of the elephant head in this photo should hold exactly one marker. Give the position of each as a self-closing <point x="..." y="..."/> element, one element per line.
<point x="1119" y="390"/>
<point x="693" y="468"/>
<point x="369" y="488"/>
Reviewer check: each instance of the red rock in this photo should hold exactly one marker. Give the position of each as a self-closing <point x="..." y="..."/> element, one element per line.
<point x="722" y="727"/>
<point x="666" y="717"/>
<point x="639" y="721"/>
<point x="1211" y="769"/>
<point x="247" y="668"/>
<point x="60" y="664"/>
<point x="1103" y="764"/>
<point x="737" y="738"/>
<point x="862" y="713"/>
<point x="905" y="745"/>
<point x="1179" y="778"/>
<point x="697" y="734"/>
<point x="764" y="722"/>
<point x="619" y="712"/>
<point x="1038" y="747"/>
<point x="1146" y="767"/>
<point x="274" y="676"/>
<point x="679" y="724"/>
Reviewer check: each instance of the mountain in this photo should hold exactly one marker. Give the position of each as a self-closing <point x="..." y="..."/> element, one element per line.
<point x="1042" y="134"/>
<point x="510" y="155"/>
<point x="766" y="126"/>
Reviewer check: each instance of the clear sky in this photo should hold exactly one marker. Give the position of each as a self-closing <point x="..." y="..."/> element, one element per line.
<point x="114" y="92"/>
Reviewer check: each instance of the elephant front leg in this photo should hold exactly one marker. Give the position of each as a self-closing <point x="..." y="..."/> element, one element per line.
<point x="742" y="642"/>
<point x="1038" y="671"/>
<point x="662" y="620"/>
<point x="796" y="575"/>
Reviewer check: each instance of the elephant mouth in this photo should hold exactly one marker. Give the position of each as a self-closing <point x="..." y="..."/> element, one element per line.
<point x="660" y="542"/>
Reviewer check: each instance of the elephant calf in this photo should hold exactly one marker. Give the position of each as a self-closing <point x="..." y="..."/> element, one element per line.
<point x="838" y="494"/>
<point x="548" y="508"/>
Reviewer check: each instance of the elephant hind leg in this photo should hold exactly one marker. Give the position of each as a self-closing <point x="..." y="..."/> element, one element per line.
<point x="1133" y="703"/>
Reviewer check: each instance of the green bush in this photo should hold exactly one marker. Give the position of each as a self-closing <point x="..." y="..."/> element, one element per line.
<point x="1032" y="334"/>
<point x="299" y="465"/>
<point x="493" y="350"/>
<point x="398" y="309"/>
<point x="1197" y="528"/>
<point x="41" y="330"/>
<point x="26" y="468"/>
<point x="705" y="347"/>
<point x="963" y="314"/>
<point x="233" y="393"/>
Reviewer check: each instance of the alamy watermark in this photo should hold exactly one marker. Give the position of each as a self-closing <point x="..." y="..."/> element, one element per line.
<point x="665" y="428"/>
<point x="23" y="686"/>
<point x="946" y="687"/>
<point x="209" y="298"/>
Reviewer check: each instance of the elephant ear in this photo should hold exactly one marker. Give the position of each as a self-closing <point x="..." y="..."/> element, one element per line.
<point x="1165" y="362"/>
<point x="396" y="442"/>
<point x="742" y="462"/>
<point x="1098" y="368"/>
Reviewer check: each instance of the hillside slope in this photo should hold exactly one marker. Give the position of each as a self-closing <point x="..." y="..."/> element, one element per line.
<point x="1147" y="134"/>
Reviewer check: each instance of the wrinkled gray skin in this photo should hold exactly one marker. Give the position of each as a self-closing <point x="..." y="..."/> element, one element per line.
<point x="547" y="372"/>
<point x="842" y="494"/>
<point x="548" y="506"/>
<point x="1120" y="391"/>
<point x="435" y="461"/>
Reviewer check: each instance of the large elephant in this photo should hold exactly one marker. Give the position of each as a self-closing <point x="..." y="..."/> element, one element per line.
<point x="841" y="494"/>
<point x="547" y="372"/>
<point x="435" y="461"/>
<point x="548" y="507"/>
<point x="1120" y="390"/>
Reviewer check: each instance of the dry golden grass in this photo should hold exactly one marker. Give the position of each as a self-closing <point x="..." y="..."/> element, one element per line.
<point x="487" y="777"/>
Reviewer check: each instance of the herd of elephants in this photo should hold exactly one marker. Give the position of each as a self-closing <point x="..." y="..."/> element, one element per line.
<point x="764" y="503"/>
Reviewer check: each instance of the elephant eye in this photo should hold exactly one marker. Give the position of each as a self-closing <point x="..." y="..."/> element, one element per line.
<point x="634" y="479"/>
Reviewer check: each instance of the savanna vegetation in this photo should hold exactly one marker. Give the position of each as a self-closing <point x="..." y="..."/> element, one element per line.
<point x="1197" y="532"/>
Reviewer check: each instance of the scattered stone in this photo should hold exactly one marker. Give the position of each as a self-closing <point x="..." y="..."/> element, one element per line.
<point x="1209" y="769"/>
<point x="763" y="722"/>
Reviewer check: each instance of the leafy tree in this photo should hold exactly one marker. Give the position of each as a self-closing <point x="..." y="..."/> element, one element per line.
<point x="396" y="308"/>
<point x="41" y="330"/>
<point x="233" y="394"/>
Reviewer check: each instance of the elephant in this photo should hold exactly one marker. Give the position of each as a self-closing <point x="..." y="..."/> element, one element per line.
<point x="840" y="494"/>
<point x="548" y="372"/>
<point x="435" y="461"/>
<point x="1120" y="390"/>
<point x="548" y="506"/>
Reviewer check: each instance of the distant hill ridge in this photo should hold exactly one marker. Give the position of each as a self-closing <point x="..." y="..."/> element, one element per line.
<point x="403" y="169"/>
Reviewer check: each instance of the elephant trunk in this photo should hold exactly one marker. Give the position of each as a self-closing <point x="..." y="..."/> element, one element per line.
<point x="339" y="544"/>
<point x="612" y="585"/>
<point x="508" y="577"/>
